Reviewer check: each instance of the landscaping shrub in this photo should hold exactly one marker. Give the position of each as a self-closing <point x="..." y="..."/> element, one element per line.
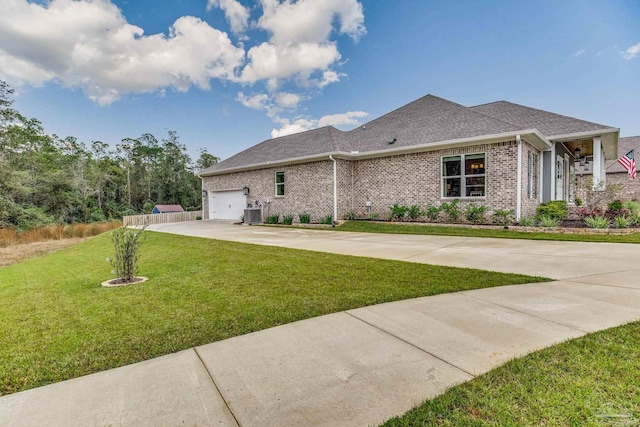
<point x="305" y="218"/>
<point x="632" y="206"/>
<point x="554" y="209"/>
<point x="287" y="219"/>
<point x="597" y="221"/>
<point x="351" y="215"/>
<point x="374" y="215"/>
<point x="397" y="212"/>
<point x="548" y="221"/>
<point x="327" y="220"/>
<point x="451" y="210"/>
<point x="502" y="217"/>
<point x="414" y="212"/>
<point x="615" y="206"/>
<point x="475" y="214"/>
<point x="527" y="222"/>
<point x="272" y="219"/>
<point x="126" y="243"/>
<point x="622" y="221"/>
<point x="578" y="201"/>
<point x="432" y="212"/>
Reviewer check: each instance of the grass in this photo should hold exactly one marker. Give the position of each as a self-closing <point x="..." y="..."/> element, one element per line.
<point x="10" y="237"/>
<point x="56" y="322"/>
<point x="588" y="381"/>
<point x="16" y="253"/>
<point x="378" y="227"/>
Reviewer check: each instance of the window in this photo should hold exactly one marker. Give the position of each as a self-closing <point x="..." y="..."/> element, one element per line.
<point x="279" y="183"/>
<point x="467" y="181"/>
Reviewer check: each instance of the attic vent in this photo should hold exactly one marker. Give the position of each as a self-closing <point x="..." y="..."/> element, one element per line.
<point x="393" y="141"/>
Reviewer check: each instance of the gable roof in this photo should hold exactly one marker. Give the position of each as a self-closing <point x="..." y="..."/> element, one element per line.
<point x="626" y="144"/>
<point x="169" y="208"/>
<point x="550" y="124"/>
<point x="425" y="121"/>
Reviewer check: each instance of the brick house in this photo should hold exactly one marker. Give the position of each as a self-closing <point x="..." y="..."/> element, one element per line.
<point x="501" y="155"/>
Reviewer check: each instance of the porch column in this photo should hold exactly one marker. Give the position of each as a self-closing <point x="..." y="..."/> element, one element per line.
<point x="598" y="164"/>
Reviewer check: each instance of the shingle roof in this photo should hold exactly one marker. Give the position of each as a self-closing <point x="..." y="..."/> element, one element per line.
<point x="548" y="123"/>
<point x="626" y="144"/>
<point x="169" y="208"/>
<point x="426" y="120"/>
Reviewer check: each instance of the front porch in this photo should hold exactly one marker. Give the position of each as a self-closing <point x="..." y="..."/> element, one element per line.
<point x="570" y="158"/>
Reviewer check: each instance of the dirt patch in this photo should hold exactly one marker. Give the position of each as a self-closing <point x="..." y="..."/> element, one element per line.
<point x="14" y="254"/>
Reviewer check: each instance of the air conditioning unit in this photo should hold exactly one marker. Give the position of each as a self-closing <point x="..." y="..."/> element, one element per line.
<point x="253" y="216"/>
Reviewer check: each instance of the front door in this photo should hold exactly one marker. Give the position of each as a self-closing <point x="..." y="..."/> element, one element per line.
<point x="559" y="178"/>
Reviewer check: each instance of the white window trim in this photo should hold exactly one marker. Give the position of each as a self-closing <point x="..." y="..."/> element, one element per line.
<point x="276" y="183"/>
<point x="463" y="180"/>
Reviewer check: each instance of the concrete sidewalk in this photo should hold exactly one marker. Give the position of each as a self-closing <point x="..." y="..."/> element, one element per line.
<point x="358" y="367"/>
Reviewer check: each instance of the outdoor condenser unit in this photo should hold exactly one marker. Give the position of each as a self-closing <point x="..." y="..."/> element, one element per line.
<point x="253" y="216"/>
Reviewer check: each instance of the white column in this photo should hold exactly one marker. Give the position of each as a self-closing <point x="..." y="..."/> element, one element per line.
<point x="598" y="161"/>
<point x="552" y="182"/>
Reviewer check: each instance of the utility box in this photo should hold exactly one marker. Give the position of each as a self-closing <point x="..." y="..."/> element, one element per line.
<point x="253" y="216"/>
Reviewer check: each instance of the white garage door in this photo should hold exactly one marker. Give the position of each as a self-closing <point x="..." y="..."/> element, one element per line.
<point x="227" y="204"/>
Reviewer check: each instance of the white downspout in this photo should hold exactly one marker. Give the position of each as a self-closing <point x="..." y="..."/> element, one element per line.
<point x="335" y="189"/>
<point x="519" y="180"/>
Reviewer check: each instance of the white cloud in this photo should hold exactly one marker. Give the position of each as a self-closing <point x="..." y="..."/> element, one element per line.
<point x="269" y="61"/>
<point x="237" y="15"/>
<point x="287" y="100"/>
<point x="302" y="124"/>
<point x="310" y="21"/>
<point x="579" y="53"/>
<point x="255" y="102"/>
<point x="348" y="118"/>
<point x="89" y="44"/>
<point x="631" y="52"/>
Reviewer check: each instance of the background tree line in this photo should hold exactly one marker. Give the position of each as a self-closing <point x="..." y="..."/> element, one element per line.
<point x="45" y="179"/>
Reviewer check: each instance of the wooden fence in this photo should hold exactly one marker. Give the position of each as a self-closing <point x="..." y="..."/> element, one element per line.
<point x="134" y="220"/>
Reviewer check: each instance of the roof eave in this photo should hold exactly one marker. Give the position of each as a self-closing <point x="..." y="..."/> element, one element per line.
<point x="535" y="138"/>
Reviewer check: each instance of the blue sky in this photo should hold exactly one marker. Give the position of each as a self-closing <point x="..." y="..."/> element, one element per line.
<point x="233" y="73"/>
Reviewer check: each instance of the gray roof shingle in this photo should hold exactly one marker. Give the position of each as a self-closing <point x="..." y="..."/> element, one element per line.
<point x="550" y="124"/>
<point x="426" y="120"/>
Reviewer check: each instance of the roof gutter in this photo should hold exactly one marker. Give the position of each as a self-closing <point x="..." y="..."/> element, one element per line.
<point x="536" y="139"/>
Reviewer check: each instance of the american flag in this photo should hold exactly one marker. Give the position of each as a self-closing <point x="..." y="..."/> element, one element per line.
<point x="628" y="162"/>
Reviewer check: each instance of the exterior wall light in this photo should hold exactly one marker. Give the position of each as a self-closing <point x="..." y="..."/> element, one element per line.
<point x="245" y="191"/>
<point x="204" y="194"/>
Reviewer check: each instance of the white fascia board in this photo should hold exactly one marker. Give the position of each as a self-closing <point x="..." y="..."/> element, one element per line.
<point x="581" y="135"/>
<point x="535" y="138"/>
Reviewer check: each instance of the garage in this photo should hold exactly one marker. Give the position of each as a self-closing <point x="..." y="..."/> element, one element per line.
<point x="227" y="204"/>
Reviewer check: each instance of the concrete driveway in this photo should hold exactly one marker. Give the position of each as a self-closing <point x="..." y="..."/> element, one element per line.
<point x="362" y="366"/>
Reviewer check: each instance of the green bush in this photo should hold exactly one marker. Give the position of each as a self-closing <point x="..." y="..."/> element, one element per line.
<point x="632" y="206"/>
<point x="305" y="218"/>
<point x="548" y="221"/>
<point x="597" y="221"/>
<point x="527" y="222"/>
<point x="502" y="217"/>
<point x="451" y="210"/>
<point x="126" y="243"/>
<point x="397" y="212"/>
<point x="554" y="209"/>
<point x="578" y="201"/>
<point x="351" y="215"/>
<point x="615" y="206"/>
<point x="622" y="221"/>
<point x="287" y="219"/>
<point x="475" y="213"/>
<point x="432" y="212"/>
<point x="414" y="212"/>
<point x="327" y="220"/>
<point x="272" y="219"/>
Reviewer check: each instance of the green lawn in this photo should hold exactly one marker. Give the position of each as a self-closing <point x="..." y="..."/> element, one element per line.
<point x="589" y="381"/>
<point x="381" y="227"/>
<point x="56" y="322"/>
